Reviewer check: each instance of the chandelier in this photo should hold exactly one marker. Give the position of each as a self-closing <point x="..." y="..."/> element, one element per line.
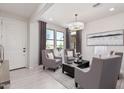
<point x="76" y="26"/>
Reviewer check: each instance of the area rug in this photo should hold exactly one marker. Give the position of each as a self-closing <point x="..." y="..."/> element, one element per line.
<point x="65" y="80"/>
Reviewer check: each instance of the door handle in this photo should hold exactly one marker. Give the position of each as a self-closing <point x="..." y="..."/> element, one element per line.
<point x="24" y="50"/>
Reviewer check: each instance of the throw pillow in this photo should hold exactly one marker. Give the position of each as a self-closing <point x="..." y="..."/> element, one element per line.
<point x="50" y="56"/>
<point x="70" y="53"/>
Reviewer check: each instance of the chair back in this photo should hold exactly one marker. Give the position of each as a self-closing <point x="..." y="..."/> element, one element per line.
<point x="45" y="55"/>
<point x="119" y="54"/>
<point x="66" y="50"/>
<point x="105" y="72"/>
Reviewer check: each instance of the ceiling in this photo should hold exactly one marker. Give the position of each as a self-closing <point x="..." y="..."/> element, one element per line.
<point x="24" y="10"/>
<point x="62" y="14"/>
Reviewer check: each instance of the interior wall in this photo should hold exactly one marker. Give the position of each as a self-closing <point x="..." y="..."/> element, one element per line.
<point x="33" y="44"/>
<point x="52" y="26"/>
<point x="10" y="15"/>
<point x="110" y="23"/>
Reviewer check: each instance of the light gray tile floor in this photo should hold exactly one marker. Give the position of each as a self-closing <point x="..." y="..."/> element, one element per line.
<point x="33" y="79"/>
<point x="38" y="79"/>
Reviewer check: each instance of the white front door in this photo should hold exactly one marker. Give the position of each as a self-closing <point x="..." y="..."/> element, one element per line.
<point x="14" y="42"/>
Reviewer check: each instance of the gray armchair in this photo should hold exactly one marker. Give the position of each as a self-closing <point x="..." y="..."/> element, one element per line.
<point x="55" y="56"/>
<point x="50" y="63"/>
<point x="103" y="74"/>
<point x="67" y="57"/>
<point x="121" y="55"/>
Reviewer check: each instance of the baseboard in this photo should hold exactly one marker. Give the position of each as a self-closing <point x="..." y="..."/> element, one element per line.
<point x="5" y="82"/>
<point x="17" y="68"/>
<point x="33" y="67"/>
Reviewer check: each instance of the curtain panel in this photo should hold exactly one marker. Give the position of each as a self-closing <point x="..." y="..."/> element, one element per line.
<point x="67" y="39"/>
<point x="78" y="41"/>
<point x="42" y="39"/>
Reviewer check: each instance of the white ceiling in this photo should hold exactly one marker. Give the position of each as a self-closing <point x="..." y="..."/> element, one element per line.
<point x="24" y="10"/>
<point x="63" y="13"/>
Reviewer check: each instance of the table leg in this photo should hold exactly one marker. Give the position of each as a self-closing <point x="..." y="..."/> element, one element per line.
<point x="62" y="70"/>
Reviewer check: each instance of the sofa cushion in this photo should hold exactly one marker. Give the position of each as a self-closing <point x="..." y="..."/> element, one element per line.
<point x="70" y="58"/>
<point x="58" y="60"/>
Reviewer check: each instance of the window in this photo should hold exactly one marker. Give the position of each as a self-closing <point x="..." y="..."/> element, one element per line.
<point x="54" y="39"/>
<point x="59" y="39"/>
<point x="49" y="39"/>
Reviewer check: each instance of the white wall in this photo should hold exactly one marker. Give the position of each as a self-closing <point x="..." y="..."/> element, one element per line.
<point x="33" y="44"/>
<point x="58" y="28"/>
<point x="114" y="22"/>
<point x="11" y="15"/>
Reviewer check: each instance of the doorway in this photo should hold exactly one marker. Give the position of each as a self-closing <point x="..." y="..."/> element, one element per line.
<point x="14" y="40"/>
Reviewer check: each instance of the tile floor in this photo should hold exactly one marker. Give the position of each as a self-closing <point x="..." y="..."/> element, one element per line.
<point x="38" y="79"/>
<point x="33" y="79"/>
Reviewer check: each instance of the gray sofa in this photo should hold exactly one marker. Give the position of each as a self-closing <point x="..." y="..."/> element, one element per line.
<point x="103" y="74"/>
<point x="50" y="63"/>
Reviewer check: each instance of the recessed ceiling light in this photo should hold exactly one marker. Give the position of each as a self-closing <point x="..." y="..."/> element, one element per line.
<point x="50" y="19"/>
<point x="111" y="9"/>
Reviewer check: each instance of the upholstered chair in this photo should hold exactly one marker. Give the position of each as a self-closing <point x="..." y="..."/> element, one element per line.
<point x="103" y="74"/>
<point x="56" y="53"/>
<point x="48" y="62"/>
<point x="121" y="55"/>
<point x="69" y="55"/>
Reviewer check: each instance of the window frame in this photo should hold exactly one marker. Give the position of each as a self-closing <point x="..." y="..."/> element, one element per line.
<point x="55" y="38"/>
<point x="50" y="39"/>
<point x="59" y="40"/>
